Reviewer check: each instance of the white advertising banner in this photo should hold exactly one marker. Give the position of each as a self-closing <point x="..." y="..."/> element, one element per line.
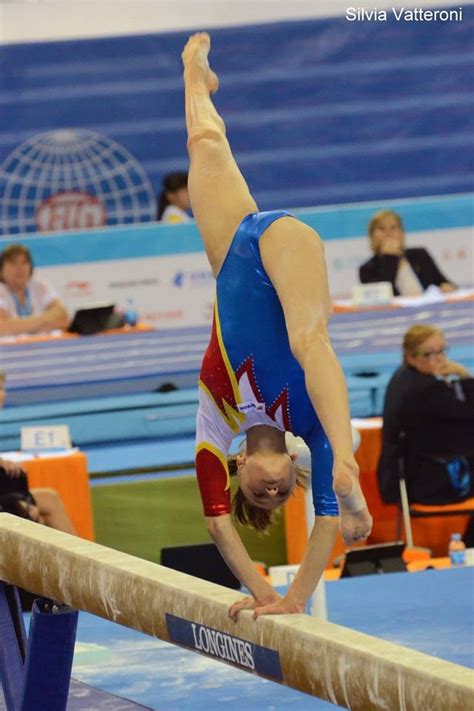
<point x="451" y="249"/>
<point x="175" y="291"/>
<point x="164" y="270"/>
<point x="172" y="291"/>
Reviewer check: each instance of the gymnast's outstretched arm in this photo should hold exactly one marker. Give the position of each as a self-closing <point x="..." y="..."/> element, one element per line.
<point x="293" y="256"/>
<point x="233" y="551"/>
<point x="309" y="573"/>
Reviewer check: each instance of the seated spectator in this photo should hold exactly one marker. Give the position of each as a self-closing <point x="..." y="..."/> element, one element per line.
<point x="42" y="505"/>
<point x="409" y="270"/>
<point x="27" y="304"/>
<point x="428" y="421"/>
<point x="174" y="204"/>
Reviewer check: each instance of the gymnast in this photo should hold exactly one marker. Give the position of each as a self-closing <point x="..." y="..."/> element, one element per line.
<point x="269" y="367"/>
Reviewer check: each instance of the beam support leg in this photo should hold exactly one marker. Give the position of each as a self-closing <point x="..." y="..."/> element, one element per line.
<point x="49" y="656"/>
<point x="12" y="646"/>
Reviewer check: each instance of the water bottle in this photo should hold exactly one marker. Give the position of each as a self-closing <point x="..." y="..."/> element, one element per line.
<point x="130" y="314"/>
<point x="457" y="550"/>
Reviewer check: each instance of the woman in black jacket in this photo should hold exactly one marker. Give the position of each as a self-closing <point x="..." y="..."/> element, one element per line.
<point x="428" y="421"/>
<point x="410" y="271"/>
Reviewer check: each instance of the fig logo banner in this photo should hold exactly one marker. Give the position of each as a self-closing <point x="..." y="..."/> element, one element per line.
<point x="69" y="211"/>
<point x="72" y="179"/>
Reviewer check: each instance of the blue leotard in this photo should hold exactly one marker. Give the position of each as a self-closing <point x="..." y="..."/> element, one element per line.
<point x="249" y="375"/>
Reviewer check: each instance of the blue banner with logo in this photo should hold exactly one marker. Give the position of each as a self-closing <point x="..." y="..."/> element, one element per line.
<point x="220" y="645"/>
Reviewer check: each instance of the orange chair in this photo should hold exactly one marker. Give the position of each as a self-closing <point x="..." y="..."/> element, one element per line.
<point x="432" y="525"/>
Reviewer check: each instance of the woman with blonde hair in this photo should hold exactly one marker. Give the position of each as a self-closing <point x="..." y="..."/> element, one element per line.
<point x="428" y="421"/>
<point x="410" y="270"/>
<point x="269" y="367"/>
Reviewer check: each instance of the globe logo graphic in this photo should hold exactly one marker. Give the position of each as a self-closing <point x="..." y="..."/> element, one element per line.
<point x="72" y="179"/>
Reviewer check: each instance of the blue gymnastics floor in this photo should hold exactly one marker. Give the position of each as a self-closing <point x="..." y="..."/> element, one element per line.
<point x="431" y="611"/>
<point x="124" y="364"/>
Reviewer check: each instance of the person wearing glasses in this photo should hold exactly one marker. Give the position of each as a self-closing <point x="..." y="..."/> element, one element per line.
<point x="428" y="421"/>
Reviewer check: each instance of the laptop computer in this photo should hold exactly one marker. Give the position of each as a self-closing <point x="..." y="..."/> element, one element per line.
<point x="94" y="318"/>
<point x="378" y="558"/>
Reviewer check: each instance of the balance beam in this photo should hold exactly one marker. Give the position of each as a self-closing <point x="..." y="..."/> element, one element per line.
<point x="334" y="663"/>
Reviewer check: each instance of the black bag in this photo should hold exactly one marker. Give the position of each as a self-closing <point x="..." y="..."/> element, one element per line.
<point x="436" y="481"/>
<point x="15" y="498"/>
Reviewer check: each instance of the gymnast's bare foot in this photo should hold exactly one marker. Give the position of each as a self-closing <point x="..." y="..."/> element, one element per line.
<point x="195" y="61"/>
<point x="355" y="521"/>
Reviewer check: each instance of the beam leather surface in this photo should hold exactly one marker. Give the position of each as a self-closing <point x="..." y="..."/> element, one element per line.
<point x="331" y="662"/>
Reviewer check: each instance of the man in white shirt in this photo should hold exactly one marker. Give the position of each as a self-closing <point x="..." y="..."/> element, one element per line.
<point x="27" y="305"/>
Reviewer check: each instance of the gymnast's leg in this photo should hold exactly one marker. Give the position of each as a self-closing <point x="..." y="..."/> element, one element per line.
<point x="293" y="257"/>
<point x="219" y="195"/>
<point x="220" y="199"/>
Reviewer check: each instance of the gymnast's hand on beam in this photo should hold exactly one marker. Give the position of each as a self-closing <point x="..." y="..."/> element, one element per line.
<point x="273" y="604"/>
<point x="250" y="603"/>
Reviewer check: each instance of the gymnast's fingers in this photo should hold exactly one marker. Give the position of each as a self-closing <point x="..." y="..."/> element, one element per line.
<point x="247" y="603"/>
<point x="274" y="608"/>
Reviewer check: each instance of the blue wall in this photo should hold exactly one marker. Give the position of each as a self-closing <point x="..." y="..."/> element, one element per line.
<point x="318" y="112"/>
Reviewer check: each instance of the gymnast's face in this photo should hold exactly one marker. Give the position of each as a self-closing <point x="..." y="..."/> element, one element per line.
<point x="266" y="479"/>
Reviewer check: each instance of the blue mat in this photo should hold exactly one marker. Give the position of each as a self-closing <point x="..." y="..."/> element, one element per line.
<point x="99" y="420"/>
<point x="145" y="454"/>
<point x="368" y="345"/>
<point x="137" y="363"/>
<point x="83" y="697"/>
<point x="364" y="342"/>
